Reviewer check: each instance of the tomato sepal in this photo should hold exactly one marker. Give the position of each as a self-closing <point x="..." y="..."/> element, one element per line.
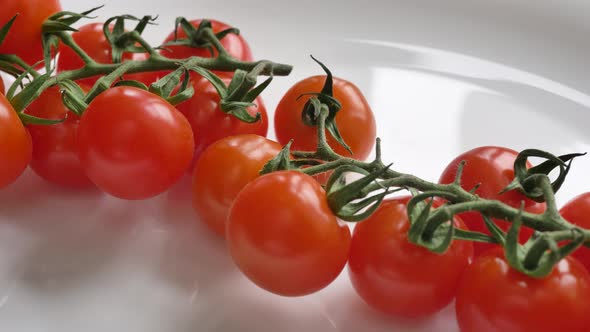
<point x="282" y="161"/>
<point x="196" y="36"/>
<point x="6" y="27"/>
<point x="527" y="180"/>
<point x="123" y="41"/>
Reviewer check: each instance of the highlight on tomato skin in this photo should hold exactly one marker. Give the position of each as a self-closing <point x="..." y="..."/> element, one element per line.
<point x="492" y="169"/>
<point x="397" y="277"/>
<point x="16" y="147"/>
<point x="55" y="149"/>
<point x="223" y="170"/>
<point x="355" y="120"/>
<point x="133" y="144"/>
<point x="494" y="297"/>
<point x="283" y="236"/>
<point x="24" y="37"/>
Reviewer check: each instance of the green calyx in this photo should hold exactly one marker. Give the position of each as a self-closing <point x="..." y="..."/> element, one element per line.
<point x="310" y="112"/>
<point x="199" y="37"/>
<point x="127" y="41"/>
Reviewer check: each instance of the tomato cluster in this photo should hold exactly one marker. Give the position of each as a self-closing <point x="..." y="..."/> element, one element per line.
<point x="279" y="227"/>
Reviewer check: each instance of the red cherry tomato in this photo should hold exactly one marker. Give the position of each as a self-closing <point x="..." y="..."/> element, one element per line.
<point x="235" y="45"/>
<point x="494" y="297"/>
<point x="91" y="39"/>
<point x="133" y="144"/>
<point x="55" y="153"/>
<point x="493" y="168"/>
<point x="577" y="211"/>
<point x="15" y="144"/>
<point x="226" y="167"/>
<point x="397" y="277"/>
<point x="355" y="120"/>
<point x="210" y="124"/>
<point x="283" y="236"/>
<point x="24" y="38"/>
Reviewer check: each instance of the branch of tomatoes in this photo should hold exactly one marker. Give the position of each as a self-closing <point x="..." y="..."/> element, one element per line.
<point x="235" y="97"/>
<point x="431" y="227"/>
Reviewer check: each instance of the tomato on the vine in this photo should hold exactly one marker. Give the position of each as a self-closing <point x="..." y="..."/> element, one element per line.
<point x="15" y="144"/>
<point x="55" y="151"/>
<point x="210" y="123"/>
<point x="494" y="297"/>
<point x="283" y="236"/>
<point x="134" y="144"/>
<point x="24" y="37"/>
<point x="90" y="37"/>
<point x="234" y="44"/>
<point x="224" y="169"/>
<point x="577" y="211"/>
<point x="492" y="168"/>
<point x="355" y="120"/>
<point x="396" y="276"/>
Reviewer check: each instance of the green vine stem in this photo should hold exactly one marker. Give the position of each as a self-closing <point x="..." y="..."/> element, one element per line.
<point x="533" y="259"/>
<point x="155" y="62"/>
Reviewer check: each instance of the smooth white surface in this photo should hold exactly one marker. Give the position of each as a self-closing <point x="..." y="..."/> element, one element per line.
<point x="441" y="76"/>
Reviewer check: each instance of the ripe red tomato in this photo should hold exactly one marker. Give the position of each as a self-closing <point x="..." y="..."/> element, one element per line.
<point x="24" y="38"/>
<point x="355" y="120"/>
<point x="133" y="144"/>
<point x="55" y="151"/>
<point x="226" y="167"/>
<point x="283" y="236"/>
<point x="15" y="144"/>
<point x="494" y="297"/>
<point x="397" y="277"/>
<point x="210" y="124"/>
<point x="235" y="45"/>
<point x="577" y="211"/>
<point x="493" y="168"/>
<point x="91" y="39"/>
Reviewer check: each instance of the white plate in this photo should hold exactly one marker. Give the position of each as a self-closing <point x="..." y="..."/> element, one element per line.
<point x="441" y="76"/>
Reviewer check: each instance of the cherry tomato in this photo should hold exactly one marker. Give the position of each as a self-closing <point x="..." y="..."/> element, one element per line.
<point x="234" y="44"/>
<point x="493" y="168"/>
<point x="494" y="297"/>
<point x="24" y="37"/>
<point x="133" y="144"/>
<point x="55" y="153"/>
<point x="397" y="277"/>
<point x="210" y="124"/>
<point x="283" y="236"/>
<point x="577" y="211"/>
<point x="226" y="167"/>
<point x="91" y="39"/>
<point x="355" y="120"/>
<point x="15" y="144"/>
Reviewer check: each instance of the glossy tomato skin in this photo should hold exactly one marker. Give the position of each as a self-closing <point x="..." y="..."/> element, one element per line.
<point x="133" y="144"/>
<point x="210" y="123"/>
<point x="55" y="150"/>
<point x="91" y="39"/>
<point x="223" y="170"/>
<point x="283" y="236"/>
<point x="355" y="120"/>
<point x="397" y="277"/>
<point x="493" y="168"/>
<point x="577" y="211"/>
<point x="235" y="45"/>
<point x="494" y="297"/>
<point x="15" y="144"/>
<point x="24" y="37"/>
